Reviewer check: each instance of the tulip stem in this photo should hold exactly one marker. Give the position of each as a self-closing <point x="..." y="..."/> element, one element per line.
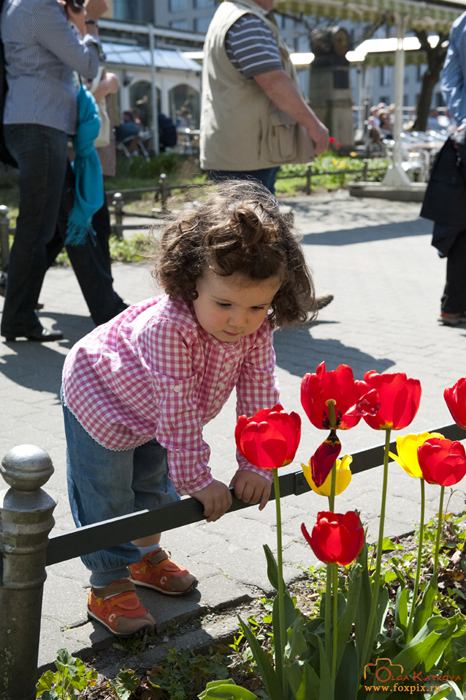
<point x="334" y="568"/>
<point x="419" y="557"/>
<point x="331" y="498"/>
<point x="328" y="615"/>
<point x="279" y="648"/>
<point x="378" y="563"/>
<point x="439" y="529"/>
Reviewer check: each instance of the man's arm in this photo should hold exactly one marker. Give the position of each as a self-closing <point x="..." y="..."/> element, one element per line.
<point x="282" y="91"/>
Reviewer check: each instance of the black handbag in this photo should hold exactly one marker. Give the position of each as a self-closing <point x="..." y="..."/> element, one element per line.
<point x="445" y="197"/>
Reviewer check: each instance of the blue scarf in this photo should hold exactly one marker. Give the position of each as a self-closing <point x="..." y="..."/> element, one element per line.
<point x="89" y="195"/>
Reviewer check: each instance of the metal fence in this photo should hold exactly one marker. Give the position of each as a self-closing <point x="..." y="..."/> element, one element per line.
<point x="26" y="519"/>
<point x="162" y="193"/>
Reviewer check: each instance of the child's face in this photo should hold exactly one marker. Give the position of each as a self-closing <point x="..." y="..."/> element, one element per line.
<point x="231" y="307"/>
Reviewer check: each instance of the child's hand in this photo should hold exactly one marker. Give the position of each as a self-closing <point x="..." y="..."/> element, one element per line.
<point x="216" y="499"/>
<point x="251" y="487"/>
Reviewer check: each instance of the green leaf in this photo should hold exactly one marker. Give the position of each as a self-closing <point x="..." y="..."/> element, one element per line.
<point x="227" y="690"/>
<point x="363" y="608"/>
<point x="297" y="646"/>
<point x="326" y="683"/>
<point x="401" y="609"/>
<point x="303" y="680"/>
<point x="425" y="607"/>
<point x="272" y="567"/>
<point x="346" y="620"/>
<point x="445" y="692"/>
<point x="265" y="668"/>
<point x="347" y="681"/>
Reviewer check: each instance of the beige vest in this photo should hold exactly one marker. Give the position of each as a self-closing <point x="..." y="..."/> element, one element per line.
<point x="241" y="129"/>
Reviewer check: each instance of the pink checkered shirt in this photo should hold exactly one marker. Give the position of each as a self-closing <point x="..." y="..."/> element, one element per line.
<point x="154" y="372"/>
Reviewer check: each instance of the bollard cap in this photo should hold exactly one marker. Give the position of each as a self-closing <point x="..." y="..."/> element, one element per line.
<point x="3" y="210"/>
<point x="26" y="467"/>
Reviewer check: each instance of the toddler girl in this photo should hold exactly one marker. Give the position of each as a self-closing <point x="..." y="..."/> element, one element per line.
<point x="138" y="390"/>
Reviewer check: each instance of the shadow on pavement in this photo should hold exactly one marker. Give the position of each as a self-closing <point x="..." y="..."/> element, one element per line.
<point x="38" y="366"/>
<point x="298" y="352"/>
<point x="366" y="234"/>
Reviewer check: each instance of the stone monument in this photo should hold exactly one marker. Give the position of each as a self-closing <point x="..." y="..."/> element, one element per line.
<point x="329" y="83"/>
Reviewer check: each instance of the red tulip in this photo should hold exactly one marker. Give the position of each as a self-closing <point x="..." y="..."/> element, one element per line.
<point x="399" y="400"/>
<point x="331" y="140"/>
<point x="442" y="461"/>
<point x="337" y="538"/>
<point x="324" y="458"/>
<point x="270" y="438"/>
<point x="353" y="399"/>
<point x="338" y="144"/>
<point x="456" y="402"/>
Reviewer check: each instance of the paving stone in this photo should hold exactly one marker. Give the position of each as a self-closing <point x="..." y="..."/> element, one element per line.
<point x="377" y="260"/>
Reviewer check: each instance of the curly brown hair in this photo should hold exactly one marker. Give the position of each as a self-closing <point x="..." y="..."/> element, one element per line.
<point x="238" y="229"/>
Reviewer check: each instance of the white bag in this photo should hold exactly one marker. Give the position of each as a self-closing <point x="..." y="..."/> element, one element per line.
<point x="103" y="139"/>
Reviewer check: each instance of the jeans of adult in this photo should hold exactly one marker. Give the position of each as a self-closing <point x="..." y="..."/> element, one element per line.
<point x="454" y="294"/>
<point x="105" y="484"/>
<point x="266" y="176"/>
<point x="41" y="154"/>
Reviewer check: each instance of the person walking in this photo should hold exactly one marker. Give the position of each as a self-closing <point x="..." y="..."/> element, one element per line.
<point x="41" y="111"/>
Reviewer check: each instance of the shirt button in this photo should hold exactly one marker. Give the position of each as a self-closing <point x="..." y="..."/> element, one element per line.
<point x="177" y="388"/>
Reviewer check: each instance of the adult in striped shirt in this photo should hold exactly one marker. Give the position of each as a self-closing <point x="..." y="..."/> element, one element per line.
<point x="255" y="49"/>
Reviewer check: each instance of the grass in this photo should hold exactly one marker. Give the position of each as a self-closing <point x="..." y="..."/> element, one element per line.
<point x="139" y="173"/>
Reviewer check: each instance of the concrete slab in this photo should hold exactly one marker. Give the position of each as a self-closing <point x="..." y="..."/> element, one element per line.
<point x="375" y="257"/>
<point x="411" y="193"/>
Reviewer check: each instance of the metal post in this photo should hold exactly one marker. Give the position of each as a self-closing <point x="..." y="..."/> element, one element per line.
<point x="153" y="92"/>
<point x="395" y="175"/>
<point x="4" y="234"/>
<point x="364" y="170"/>
<point x="308" y="178"/>
<point x="163" y="192"/>
<point x="118" y="203"/>
<point x="25" y="522"/>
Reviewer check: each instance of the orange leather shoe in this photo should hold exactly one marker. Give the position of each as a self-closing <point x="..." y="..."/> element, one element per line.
<point x="157" y="571"/>
<point x="118" y="608"/>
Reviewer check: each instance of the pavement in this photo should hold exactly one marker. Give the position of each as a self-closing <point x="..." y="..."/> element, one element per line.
<point x="375" y="257"/>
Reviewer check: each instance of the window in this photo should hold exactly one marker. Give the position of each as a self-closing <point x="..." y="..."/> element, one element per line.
<point x="420" y="72"/>
<point x="140" y="97"/>
<point x="179" y="24"/>
<point x="201" y="24"/>
<point x="204" y="3"/>
<point x="178" y="6"/>
<point x="133" y="10"/>
<point x="385" y="72"/>
<point x="439" y="101"/>
<point x="405" y="100"/>
<point x="185" y="106"/>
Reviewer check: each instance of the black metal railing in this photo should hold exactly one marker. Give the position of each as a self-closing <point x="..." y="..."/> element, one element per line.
<point x="25" y="550"/>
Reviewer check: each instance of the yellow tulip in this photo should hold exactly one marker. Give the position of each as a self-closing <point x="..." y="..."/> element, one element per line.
<point x="406" y="446"/>
<point x="343" y="477"/>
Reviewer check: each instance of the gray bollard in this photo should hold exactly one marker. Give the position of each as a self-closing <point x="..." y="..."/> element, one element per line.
<point x="118" y="203"/>
<point x="163" y="192"/>
<point x="4" y="234"/>
<point x="25" y="522"/>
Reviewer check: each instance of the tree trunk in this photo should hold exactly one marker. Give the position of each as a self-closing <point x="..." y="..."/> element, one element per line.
<point x="435" y="60"/>
<point x="429" y="81"/>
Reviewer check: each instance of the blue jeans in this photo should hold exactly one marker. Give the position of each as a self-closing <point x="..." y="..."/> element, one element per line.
<point x="41" y="154"/>
<point x="266" y="175"/>
<point x="105" y="484"/>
